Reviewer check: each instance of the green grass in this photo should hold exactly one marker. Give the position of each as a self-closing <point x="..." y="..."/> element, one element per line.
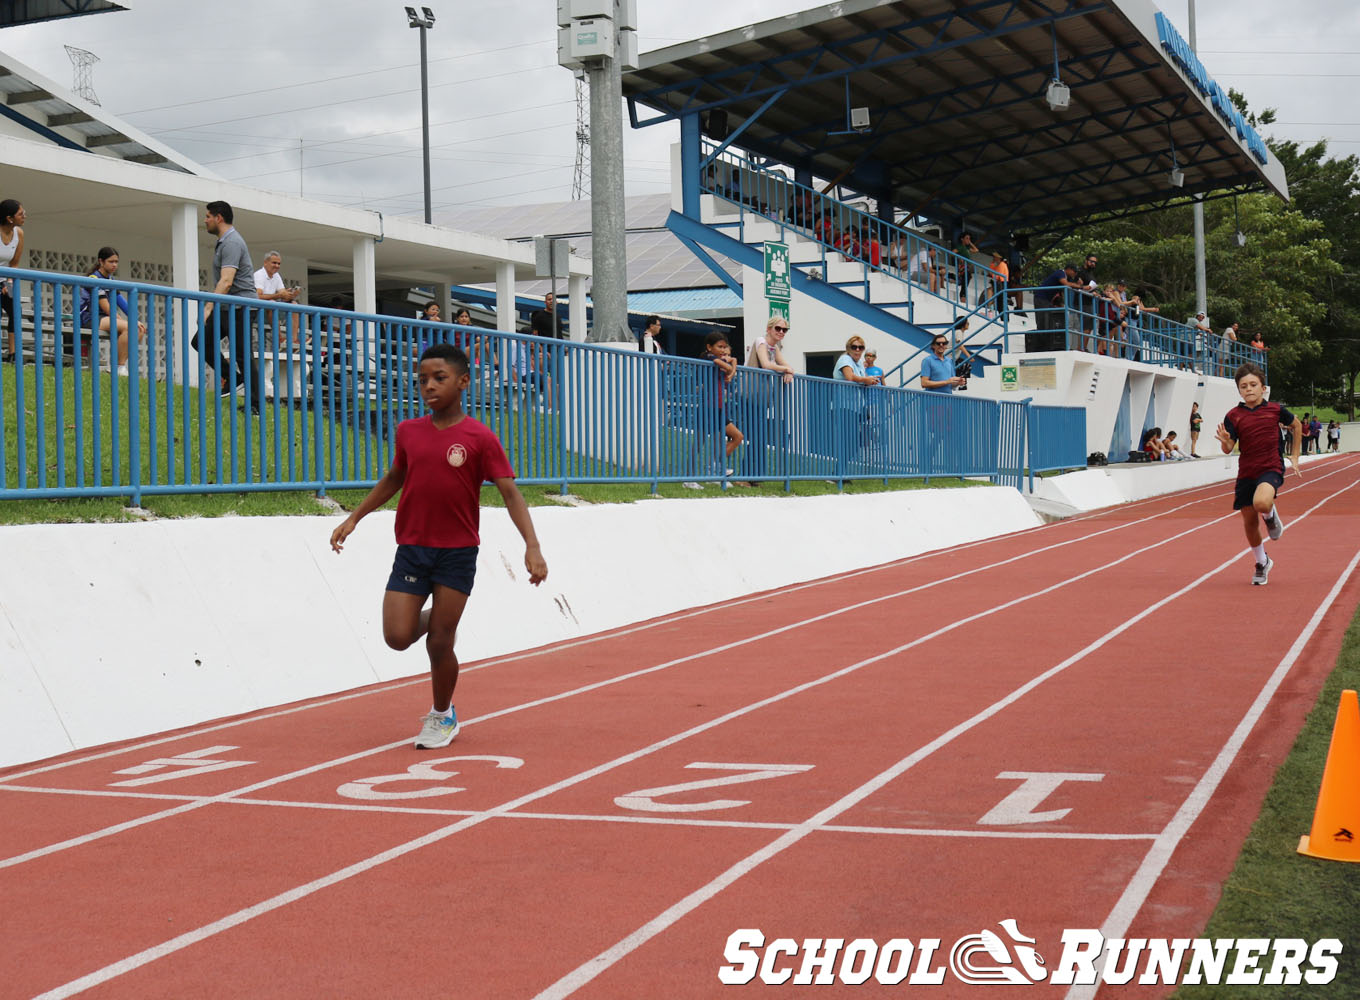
<point x="1276" y="892"/>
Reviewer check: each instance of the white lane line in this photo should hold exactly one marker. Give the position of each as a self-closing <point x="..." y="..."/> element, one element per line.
<point x="1136" y="893"/>
<point x="123" y="827"/>
<point x="185" y="940"/>
<point x="589" y="970"/>
<point x="690" y="821"/>
<point x="605" y="636"/>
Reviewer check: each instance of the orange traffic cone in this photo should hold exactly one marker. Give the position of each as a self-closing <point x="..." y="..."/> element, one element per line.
<point x="1336" y="822"/>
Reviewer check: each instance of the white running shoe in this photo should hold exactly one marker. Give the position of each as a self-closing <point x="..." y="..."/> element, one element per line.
<point x="436" y="731"/>
<point x="122" y="369"/>
<point x="1262" y="573"/>
<point x="1275" y="526"/>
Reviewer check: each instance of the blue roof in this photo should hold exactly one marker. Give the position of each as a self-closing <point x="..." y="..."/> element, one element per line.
<point x="698" y="303"/>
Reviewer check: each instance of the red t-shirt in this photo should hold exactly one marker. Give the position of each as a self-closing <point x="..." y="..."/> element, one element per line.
<point x="440" y="503"/>
<point x="1257" y="433"/>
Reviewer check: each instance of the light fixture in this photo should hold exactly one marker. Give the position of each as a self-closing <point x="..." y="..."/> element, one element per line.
<point x="1176" y="177"/>
<point x="1059" y="95"/>
<point x="424" y="24"/>
<point x="416" y="21"/>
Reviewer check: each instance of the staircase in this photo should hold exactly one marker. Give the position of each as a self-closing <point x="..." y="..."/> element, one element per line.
<point x="834" y="260"/>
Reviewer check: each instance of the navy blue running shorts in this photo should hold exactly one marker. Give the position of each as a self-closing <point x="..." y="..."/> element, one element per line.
<point x="417" y="568"/>
<point x="1244" y="494"/>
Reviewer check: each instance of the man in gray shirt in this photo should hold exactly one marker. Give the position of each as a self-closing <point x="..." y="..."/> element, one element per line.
<point x="233" y="275"/>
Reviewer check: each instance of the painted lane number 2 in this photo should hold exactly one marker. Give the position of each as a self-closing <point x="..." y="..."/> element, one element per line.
<point x="426" y="771"/>
<point x="645" y="799"/>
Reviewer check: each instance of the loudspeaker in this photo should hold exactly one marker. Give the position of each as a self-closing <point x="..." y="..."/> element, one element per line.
<point x="717" y="124"/>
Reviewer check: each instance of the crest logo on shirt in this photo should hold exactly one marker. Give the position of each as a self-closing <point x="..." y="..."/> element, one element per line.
<point x="457" y="455"/>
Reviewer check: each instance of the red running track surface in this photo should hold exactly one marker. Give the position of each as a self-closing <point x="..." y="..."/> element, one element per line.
<point x="1071" y="727"/>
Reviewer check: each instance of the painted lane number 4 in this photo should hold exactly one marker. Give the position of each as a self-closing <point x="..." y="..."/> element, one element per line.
<point x="645" y="799"/>
<point x="180" y="766"/>
<point x="368" y="790"/>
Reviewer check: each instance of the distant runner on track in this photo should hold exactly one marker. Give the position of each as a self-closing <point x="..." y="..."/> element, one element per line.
<point x="1254" y="425"/>
<point x="440" y="463"/>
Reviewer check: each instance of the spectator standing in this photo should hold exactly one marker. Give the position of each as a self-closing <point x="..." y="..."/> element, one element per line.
<point x="651" y="333"/>
<point x="1196" y="424"/>
<point x="1200" y="331"/>
<point x="233" y="275"/>
<point x="768" y="352"/>
<point x="871" y="365"/>
<point x="543" y="322"/>
<point x="850" y="410"/>
<point x="106" y="268"/>
<point x="1259" y="346"/>
<point x="969" y="254"/>
<point x="1253" y="425"/>
<point x="1135" y="319"/>
<point x="850" y="366"/>
<point x="719" y="351"/>
<point x="12" y="218"/>
<point x="1001" y="276"/>
<point x="937" y="370"/>
<point x="1315" y="432"/>
<point x="439" y="464"/>
<point x="1333" y="436"/>
<point x="1225" y="342"/>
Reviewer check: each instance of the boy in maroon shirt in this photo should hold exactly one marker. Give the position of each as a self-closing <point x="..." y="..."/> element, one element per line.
<point x="440" y="463"/>
<point x="1254" y="425"/>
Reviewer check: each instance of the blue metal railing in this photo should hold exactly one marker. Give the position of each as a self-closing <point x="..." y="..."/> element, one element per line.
<point x="323" y="390"/>
<point x="1072" y="320"/>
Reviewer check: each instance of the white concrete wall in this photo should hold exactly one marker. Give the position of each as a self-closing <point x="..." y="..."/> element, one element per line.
<point x="114" y="631"/>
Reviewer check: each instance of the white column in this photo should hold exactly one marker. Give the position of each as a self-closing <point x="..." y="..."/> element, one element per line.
<point x="576" y="307"/>
<point x="505" y="296"/>
<point x="184" y="226"/>
<point x="365" y="276"/>
<point x="444" y="297"/>
<point x="185" y="221"/>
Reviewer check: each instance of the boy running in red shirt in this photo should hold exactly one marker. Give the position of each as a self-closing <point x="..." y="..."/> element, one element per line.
<point x="1254" y="424"/>
<point x="440" y="463"/>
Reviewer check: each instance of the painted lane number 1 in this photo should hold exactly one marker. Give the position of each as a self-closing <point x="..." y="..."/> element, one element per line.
<point x="645" y="799"/>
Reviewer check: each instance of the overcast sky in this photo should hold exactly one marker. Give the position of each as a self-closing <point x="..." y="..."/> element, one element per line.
<point x="323" y="97"/>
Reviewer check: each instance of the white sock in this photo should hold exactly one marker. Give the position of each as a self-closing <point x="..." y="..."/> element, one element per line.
<point x="1271" y="515"/>
<point x="446" y="713"/>
<point x="1259" y="551"/>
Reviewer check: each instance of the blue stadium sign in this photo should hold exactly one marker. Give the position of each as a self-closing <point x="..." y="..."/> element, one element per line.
<point x="1178" y="49"/>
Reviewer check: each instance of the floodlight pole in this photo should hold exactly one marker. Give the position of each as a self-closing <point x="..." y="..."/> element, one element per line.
<point x="609" y="289"/>
<point x="1201" y="279"/>
<point x="424" y="24"/>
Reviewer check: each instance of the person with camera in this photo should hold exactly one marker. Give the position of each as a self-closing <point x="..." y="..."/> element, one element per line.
<point x="940" y="373"/>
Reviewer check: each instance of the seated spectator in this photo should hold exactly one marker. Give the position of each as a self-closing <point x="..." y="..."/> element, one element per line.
<point x="107" y="268"/>
<point x="1170" y="449"/>
<point x="270" y="287"/>
<point x="1152" y="444"/>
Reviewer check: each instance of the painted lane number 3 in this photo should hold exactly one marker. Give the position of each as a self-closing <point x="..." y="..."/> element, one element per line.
<point x="426" y="771"/>
<point x="645" y="799"/>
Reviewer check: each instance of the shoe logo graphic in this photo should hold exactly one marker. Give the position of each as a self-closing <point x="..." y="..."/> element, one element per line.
<point x="1343" y="835"/>
<point x="1002" y="969"/>
<point x="457" y="455"/>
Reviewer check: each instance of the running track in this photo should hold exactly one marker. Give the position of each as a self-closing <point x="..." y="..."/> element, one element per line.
<point x="310" y="852"/>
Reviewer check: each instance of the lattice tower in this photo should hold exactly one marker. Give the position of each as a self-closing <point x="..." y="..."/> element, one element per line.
<point x="81" y="61"/>
<point x="580" y="181"/>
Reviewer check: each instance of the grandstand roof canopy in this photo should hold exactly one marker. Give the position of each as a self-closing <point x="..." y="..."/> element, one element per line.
<point x="13" y="12"/>
<point x="960" y="127"/>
